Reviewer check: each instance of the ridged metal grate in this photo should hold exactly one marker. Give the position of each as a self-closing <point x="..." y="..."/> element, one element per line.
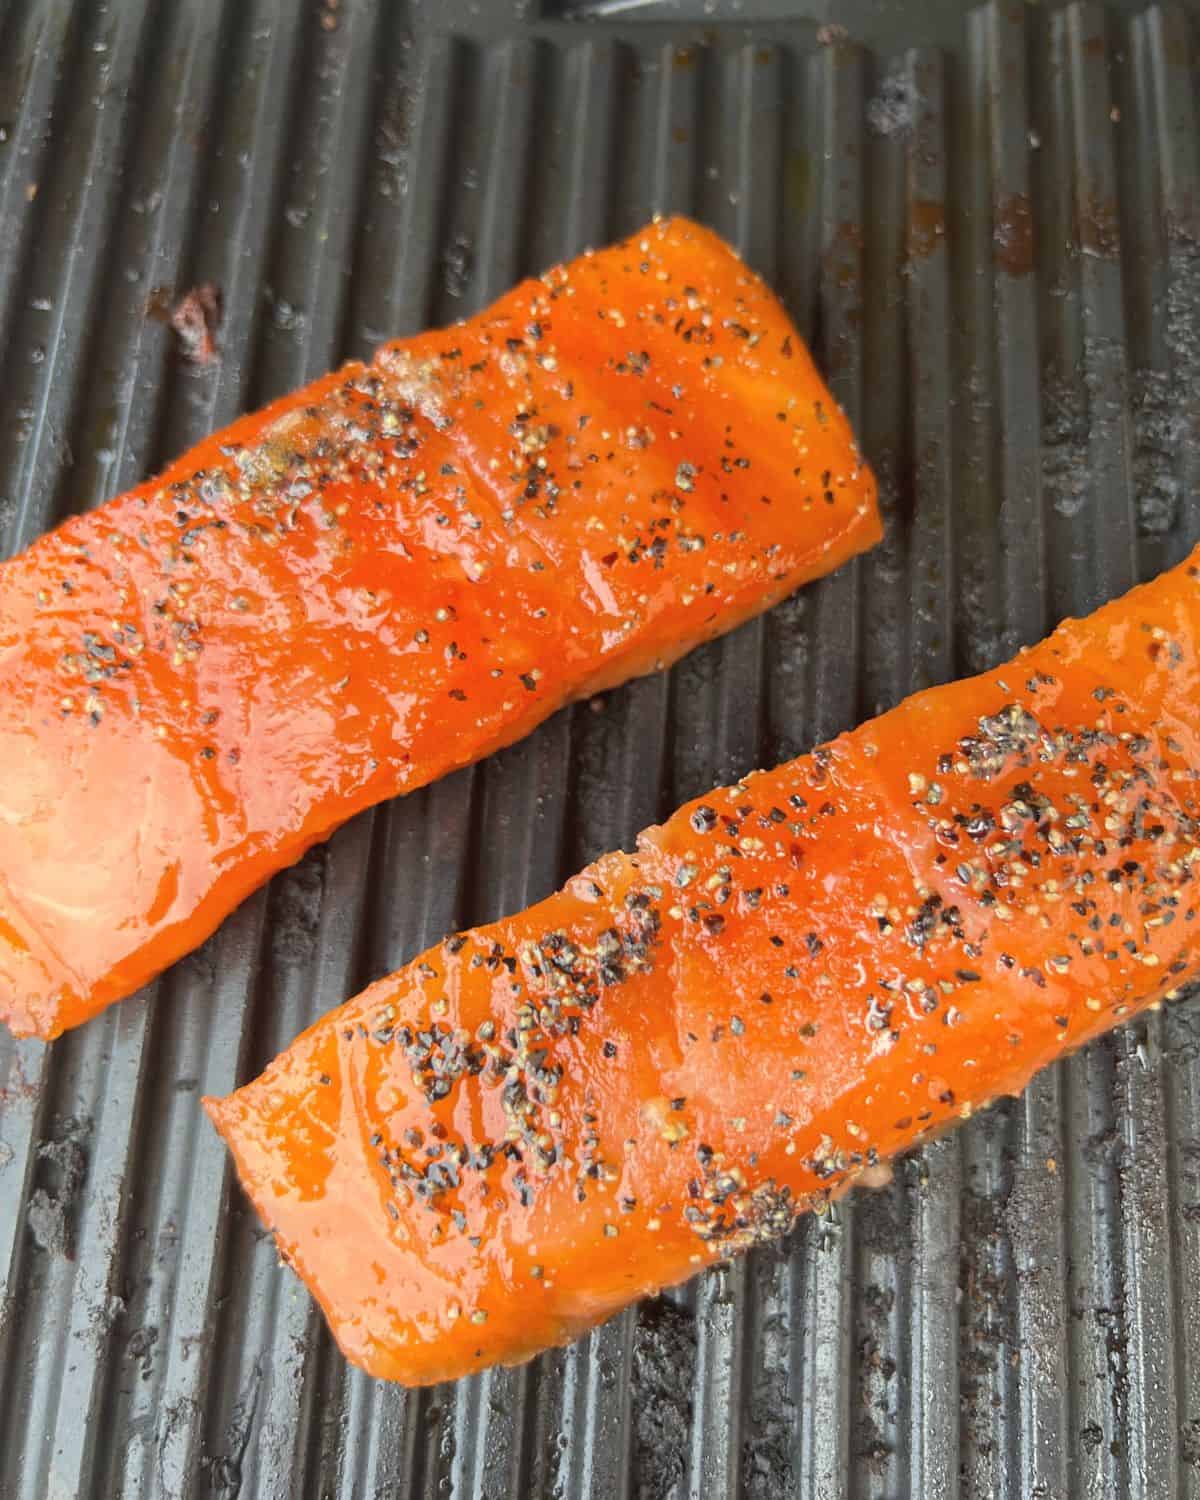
<point x="995" y="249"/>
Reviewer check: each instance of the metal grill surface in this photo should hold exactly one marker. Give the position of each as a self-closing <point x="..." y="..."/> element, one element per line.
<point x="988" y="225"/>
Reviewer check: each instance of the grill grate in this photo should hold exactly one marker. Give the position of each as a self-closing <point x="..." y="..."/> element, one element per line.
<point x="995" y="249"/>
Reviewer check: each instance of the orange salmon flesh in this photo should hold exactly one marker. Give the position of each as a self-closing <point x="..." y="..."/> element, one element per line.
<point x="384" y="576"/>
<point x="789" y="982"/>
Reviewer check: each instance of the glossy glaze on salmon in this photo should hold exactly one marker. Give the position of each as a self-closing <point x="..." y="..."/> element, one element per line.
<point x="387" y="575"/>
<point x="790" y="981"/>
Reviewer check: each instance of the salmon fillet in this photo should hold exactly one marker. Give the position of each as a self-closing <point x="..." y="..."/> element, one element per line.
<point x="789" y="982"/>
<point x="387" y="575"/>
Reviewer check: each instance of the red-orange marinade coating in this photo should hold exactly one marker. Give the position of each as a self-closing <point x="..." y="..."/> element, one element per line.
<point x="387" y="575"/>
<point x="790" y="981"/>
